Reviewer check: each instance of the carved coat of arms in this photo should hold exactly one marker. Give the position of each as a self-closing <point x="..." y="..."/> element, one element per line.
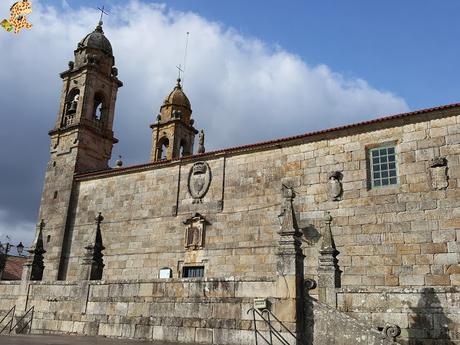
<point x="199" y="179"/>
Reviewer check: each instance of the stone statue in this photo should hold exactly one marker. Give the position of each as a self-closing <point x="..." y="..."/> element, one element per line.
<point x="201" y="148"/>
<point x="334" y="186"/>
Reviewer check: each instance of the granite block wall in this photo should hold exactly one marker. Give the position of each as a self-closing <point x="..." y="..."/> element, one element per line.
<point x="212" y="311"/>
<point x="401" y="235"/>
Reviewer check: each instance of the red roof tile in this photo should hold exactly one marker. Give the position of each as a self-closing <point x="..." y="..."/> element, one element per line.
<point x="13" y="268"/>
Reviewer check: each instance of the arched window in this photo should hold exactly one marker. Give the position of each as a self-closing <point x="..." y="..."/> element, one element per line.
<point x="70" y="107"/>
<point x="99" y="107"/>
<point x="163" y="145"/>
<point x="183" y="149"/>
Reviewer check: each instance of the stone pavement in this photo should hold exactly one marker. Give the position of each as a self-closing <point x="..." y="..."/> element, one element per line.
<point x="72" y="340"/>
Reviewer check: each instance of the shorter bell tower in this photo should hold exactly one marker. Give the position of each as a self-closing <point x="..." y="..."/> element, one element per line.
<point x="173" y="133"/>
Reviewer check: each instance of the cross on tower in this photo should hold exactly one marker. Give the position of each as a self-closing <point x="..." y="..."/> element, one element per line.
<point x="102" y="12"/>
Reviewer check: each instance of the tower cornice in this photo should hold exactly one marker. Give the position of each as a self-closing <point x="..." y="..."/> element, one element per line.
<point x="104" y="134"/>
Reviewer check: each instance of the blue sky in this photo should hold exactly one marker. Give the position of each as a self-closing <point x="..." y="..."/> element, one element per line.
<point x="409" y="47"/>
<point x="256" y="70"/>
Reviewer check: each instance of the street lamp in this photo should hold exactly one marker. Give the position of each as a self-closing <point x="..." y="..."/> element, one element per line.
<point x="20" y="248"/>
<point x="5" y="248"/>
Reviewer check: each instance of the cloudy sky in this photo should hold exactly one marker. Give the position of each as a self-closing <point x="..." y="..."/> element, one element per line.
<point x="255" y="70"/>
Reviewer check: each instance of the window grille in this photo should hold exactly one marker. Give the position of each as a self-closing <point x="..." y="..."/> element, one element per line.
<point x="383" y="166"/>
<point x="193" y="272"/>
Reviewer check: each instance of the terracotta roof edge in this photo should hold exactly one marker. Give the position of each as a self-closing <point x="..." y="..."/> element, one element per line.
<point x="262" y="144"/>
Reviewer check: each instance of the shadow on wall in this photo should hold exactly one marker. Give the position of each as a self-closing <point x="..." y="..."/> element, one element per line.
<point x="428" y="324"/>
<point x="309" y="317"/>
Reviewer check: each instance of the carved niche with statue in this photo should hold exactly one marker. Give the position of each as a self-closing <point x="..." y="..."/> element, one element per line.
<point x="199" y="179"/>
<point x="334" y="186"/>
<point x="195" y="232"/>
<point x="438" y="173"/>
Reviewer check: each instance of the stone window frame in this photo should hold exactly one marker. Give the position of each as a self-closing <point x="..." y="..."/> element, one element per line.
<point x="201" y="268"/>
<point x="370" y="170"/>
<point x="183" y="264"/>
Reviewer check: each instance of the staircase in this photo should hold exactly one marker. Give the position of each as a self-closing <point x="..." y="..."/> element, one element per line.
<point x="23" y="323"/>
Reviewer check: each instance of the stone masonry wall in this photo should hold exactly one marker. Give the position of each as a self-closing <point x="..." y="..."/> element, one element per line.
<point x="212" y="311"/>
<point x="403" y="235"/>
<point x="428" y="315"/>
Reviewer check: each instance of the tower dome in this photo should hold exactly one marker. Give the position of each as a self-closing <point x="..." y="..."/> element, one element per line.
<point x="96" y="40"/>
<point x="177" y="97"/>
<point x="176" y="105"/>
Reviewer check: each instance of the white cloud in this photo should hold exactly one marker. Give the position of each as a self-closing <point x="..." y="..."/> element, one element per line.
<point x="242" y="90"/>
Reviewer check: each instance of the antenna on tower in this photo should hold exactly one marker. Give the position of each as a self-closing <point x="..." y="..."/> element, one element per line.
<point x="185" y="57"/>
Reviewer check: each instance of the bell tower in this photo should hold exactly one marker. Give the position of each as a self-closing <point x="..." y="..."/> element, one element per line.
<point x="173" y="133"/>
<point x="81" y="140"/>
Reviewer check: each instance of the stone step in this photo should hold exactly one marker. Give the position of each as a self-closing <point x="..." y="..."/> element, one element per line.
<point x="73" y="340"/>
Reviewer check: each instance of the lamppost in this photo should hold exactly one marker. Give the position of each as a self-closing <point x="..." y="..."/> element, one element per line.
<point x="4" y="250"/>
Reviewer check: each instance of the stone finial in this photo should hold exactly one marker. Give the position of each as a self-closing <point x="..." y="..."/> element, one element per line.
<point x="92" y="263"/>
<point x="289" y="223"/>
<point x="42" y="224"/>
<point x="71" y="65"/>
<point x="118" y="164"/>
<point x="328" y="242"/>
<point x="99" y="217"/>
<point x="290" y="256"/>
<point x="34" y="267"/>
<point x="328" y="268"/>
<point x="201" y="148"/>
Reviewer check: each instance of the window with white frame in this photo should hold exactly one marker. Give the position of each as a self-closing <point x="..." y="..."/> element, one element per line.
<point x="383" y="166"/>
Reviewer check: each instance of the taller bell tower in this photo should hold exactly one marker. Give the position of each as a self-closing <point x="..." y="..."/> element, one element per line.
<point x="81" y="140"/>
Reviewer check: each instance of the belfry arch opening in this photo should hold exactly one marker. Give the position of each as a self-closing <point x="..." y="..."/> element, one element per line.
<point x="183" y="149"/>
<point x="70" y="107"/>
<point x="99" y="107"/>
<point x="71" y="101"/>
<point x="163" y="145"/>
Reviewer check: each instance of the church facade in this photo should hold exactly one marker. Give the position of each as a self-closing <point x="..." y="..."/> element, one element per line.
<point x="340" y="233"/>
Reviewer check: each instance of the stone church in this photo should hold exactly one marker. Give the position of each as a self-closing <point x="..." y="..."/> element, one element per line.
<point x="348" y="235"/>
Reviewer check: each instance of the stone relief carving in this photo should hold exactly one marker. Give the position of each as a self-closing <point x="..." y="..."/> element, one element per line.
<point x="438" y="173"/>
<point x="391" y="332"/>
<point x="199" y="179"/>
<point x="195" y="232"/>
<point x="334" y="186"/>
